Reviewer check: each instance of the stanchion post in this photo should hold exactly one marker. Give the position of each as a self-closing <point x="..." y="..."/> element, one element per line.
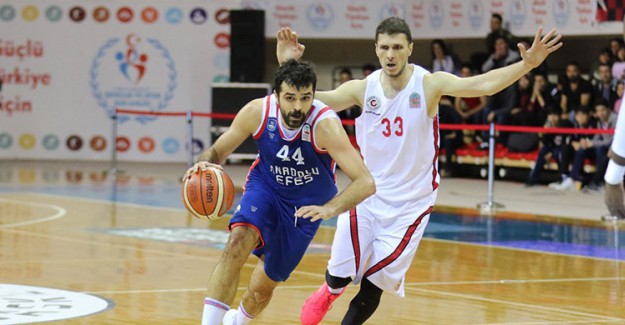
<point x="190" y="138"/>
<point x="113" y="168"/>
<point x="489" y="206"/>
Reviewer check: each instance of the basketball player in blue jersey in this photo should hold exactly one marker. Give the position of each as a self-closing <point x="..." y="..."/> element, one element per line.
<point x="397" y="132"/>
<point x="290" y="188"/>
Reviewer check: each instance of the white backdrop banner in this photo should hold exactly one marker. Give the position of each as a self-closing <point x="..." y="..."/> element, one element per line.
<point x="66" y="65"/>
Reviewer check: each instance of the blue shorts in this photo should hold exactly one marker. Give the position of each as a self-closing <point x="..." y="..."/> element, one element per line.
<point x="283" y="243"/>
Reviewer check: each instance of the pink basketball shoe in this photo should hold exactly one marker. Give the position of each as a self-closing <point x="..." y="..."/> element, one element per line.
<point x="317" y="305"/>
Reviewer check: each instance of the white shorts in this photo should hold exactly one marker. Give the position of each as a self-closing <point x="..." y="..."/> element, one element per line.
<point x="618" y="144"/>
<point x="380" y="249"/>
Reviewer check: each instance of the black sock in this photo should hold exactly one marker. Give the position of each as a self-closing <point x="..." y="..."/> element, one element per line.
<point x="364" y="304"/>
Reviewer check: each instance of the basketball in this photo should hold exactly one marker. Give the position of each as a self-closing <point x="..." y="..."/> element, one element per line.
<point x="208" y="194"/>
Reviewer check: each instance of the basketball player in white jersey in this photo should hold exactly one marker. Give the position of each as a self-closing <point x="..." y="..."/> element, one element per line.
<point x="616" y="170"/>
<point x="397" y="132"/>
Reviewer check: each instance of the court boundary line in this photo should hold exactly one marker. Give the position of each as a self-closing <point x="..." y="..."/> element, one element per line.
<point x="61" y="212"/>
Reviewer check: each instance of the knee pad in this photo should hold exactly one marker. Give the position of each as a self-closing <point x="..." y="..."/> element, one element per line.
<point x="336" y="282"/>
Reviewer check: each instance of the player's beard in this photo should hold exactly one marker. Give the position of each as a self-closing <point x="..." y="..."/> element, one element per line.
<point x="293" y="119"/>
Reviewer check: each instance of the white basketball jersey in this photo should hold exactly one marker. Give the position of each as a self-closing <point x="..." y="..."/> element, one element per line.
<point x="399" y="143"/>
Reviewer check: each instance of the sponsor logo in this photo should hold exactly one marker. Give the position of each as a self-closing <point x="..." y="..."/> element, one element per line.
<point x="125" y="14"/>
<point x="54" y="13"/>
<point x="5" y="176"/>
<point x="197" y="146"/>
<point x="436" y="13"/>
<point x="50" y="176"/>
<point x="7" y="13"/>
<point x="149" y="15"/>
<point x="561" y="12"/>
<point x="222" y="40"/>
<point x="77" y="14"/>
<point x="27" y="141"/>
<point x="198" y="16"/>
<point x="171" y="146"/>
<point x="122" y="144"/>
<point x="222" y="16"/>
<point x="30" y="13"/>
<point x="74" y="142"/>
<point x="373" y="102"/>
<point x="414" y="100"/>
<point x="320" y="15"/>
<point x="6" y="141"/>
<point x="271" y="124"/>
<point x="173" y="15"/>
<point x="26" y="176"/>
<point x="27" y="304"/>
<point x="475" y="14"/>
<point x="97" y="143"/>
<point x="392" y="10"/>
<point x="133" y="73"/>
<point x="146" y="145"/>
<point x="306" y="132"/>
<point x="101" y="14"/>
<point x="51" y="142"/>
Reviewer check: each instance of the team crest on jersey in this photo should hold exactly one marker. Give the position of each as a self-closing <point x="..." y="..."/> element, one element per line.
<point x="373" y="102"/>
<point x="306" y="132"/>
<point x="415" y="100"/>
<point x="271" y="125"/>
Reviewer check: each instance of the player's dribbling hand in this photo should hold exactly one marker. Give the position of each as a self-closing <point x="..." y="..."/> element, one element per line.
<point x="314" y="212"/>
<point x="200" y="165"/>
<point x="288" y="46"/>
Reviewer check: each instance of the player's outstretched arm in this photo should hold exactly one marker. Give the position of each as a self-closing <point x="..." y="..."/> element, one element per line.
<point x="331" y="136"/>
<point x="441" y="83"/>
<point x="288" y="46"/>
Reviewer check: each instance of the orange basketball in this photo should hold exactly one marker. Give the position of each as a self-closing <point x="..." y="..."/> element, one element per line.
<point x="208" y="194"/>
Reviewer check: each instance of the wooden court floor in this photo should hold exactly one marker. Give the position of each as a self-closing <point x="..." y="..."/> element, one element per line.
<point x="67" y="242"/>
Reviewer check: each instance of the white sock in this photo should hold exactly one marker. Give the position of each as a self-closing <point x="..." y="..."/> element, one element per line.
<point x="335" y="291"/>
<point x="243" y="318"/>
<point x="214" y="311"/>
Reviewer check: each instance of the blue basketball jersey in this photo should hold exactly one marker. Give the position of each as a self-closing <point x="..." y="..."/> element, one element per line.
<point x="289" y="162"/>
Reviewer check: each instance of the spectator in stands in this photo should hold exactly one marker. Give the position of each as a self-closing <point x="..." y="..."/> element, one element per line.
<point x="620" y="90"/>
<point x="618" y="67"/>
<point x="543" y="96"/>
<point x="553" y="145"/>
<point x="605" y="57"/>
<point x="443" y="59"/>
<point x="470" y="109"/>
<point x="604" y="120"/>
<point x="616" y="44"/>
<point x="367" y="69"/>
<point x="501" y="57"/>
<point x="604" y="87"/>
<point x="576" y="91"/>
<point x="451" y="140"/>
<point x="498" y="31"/>
<point x="581" y="151"/>
<point x="345" y="75"/>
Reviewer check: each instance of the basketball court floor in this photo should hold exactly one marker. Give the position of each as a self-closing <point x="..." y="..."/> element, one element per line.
<point x="78" y="246"/>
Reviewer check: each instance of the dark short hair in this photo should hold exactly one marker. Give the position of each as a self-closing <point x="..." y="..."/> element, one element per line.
<point x="393" y="25"/>
<point x="299" y="74"/>
<point x="498" y="16"/>
<point x="601" y="102"/>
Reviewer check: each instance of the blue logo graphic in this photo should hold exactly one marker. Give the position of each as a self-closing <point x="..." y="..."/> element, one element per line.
<point x="171" y="146"/>
<point x="517" y="13"/>
<point x="7" y="13"/>
<point x="197" y="146"/>
<point x="475" y="12"/>
<point x="54" y="13"/>
<point x="133" y="74"/>
<point x="51" y="142"/>
<point x="198" y="16"/>
<point x="320" y="15"/>
<point x="50" y="176"/>
<point x="392" y="10"/>
<point x="173" y="15"/>
<point x="6" y="141"/>
<point x="561" y="12"/>
<point x="436" y="13"/>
